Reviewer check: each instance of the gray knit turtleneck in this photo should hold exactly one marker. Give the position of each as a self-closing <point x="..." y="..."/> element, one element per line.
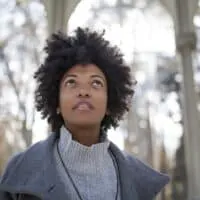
<point x="91" y="168"/>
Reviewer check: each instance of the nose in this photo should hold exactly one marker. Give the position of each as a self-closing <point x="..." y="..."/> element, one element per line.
<point x="84" y="92"/>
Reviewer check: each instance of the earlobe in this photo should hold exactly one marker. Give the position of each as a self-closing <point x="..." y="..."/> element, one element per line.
<point x="107" y="112"/>
<point x="58" y="111"/>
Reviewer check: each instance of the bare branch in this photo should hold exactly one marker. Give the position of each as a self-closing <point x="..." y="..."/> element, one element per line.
<point x="28" y="28"/>
<point x="11" y="79"/>
<point x="32" y="29"/>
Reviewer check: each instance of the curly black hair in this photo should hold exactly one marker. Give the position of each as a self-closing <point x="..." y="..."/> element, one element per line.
<point x="84" y="47"/>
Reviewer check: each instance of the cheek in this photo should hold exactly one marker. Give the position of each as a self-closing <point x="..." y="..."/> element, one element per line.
<point x="102" y="101"/>
<point x="65" y="100"/>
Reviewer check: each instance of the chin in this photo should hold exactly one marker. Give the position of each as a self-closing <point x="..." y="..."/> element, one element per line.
<point x="85" y="123"/>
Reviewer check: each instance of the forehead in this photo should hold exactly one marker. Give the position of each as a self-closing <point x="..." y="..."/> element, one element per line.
<point x="87" y="69"/>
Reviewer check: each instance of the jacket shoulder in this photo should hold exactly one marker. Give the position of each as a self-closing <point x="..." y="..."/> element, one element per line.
<point x="11" y="166"/>
<point x="29" y="157"/>
<point x="148" y="181"/>
<point x="9" y="170"/>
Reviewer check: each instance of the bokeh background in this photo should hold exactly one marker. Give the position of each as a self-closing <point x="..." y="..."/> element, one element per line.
<point x="160" y="42"/>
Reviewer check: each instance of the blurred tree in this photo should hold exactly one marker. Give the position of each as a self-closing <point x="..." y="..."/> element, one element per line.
<point x="23" y="30"/>
<point x="164" y="168"/>
<point x="179" y="177"/>
<point x="170" y="81"/>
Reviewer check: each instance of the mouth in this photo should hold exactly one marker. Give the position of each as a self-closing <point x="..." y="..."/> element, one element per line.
<point x="83" y="106"/>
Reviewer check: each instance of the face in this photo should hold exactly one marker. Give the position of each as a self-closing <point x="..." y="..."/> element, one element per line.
<point x="83" y="96"/>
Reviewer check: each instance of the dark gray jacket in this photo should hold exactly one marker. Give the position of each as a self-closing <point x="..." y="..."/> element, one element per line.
<point x="31" y="175"/>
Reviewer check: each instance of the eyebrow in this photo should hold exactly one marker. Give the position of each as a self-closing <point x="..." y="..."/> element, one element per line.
<point x="92" y="76"/>
<point x="98" y="76"/>
<point x="69" y="75"/>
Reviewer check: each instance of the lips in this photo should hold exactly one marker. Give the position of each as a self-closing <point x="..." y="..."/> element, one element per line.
<point x="83" y="105"/>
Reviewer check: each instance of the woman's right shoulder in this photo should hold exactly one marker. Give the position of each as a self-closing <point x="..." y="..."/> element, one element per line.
<point x="32" y="152"/>
<point x="9" y="169"/>
<point x="35" y="153"/>
<point x="11" y="166"/>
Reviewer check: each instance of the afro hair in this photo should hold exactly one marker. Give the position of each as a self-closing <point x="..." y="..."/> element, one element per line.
<point x="84" y="47"/>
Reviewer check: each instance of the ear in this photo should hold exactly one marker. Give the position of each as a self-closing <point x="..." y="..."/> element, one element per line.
<point x="107" y="112"/>
<point x="58" y="111"/>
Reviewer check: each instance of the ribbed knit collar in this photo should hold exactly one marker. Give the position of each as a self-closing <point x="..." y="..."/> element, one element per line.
<point x="74" y="153"/>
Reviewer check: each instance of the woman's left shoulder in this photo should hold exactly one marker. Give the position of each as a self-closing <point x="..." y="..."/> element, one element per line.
<point x="148" y="181"/>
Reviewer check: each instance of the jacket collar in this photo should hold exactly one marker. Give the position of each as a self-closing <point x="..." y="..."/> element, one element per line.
<point x="137" y="179"/>
<point x="127" y="185"/>
<point x="35" y="174"/>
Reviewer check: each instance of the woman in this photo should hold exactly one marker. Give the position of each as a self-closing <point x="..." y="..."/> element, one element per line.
<point x="84" y="88"/>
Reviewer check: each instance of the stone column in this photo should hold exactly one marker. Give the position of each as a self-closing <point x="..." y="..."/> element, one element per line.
<point x="186" y="42"/>
<point x="58" y="13"/>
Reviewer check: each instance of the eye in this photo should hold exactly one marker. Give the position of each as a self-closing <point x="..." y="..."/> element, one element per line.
<point x="70" y="83"/>
<point x="97" y="84"/>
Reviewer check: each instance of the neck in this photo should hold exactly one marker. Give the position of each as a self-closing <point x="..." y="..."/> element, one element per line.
<point x="85" y="135"/>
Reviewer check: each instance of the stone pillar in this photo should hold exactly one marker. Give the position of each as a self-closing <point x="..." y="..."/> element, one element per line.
<point x="186" y="42"/>
<point x="58" y="13"/>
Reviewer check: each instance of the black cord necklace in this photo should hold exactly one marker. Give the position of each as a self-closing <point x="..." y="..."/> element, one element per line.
<point x="72" y="181"/>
